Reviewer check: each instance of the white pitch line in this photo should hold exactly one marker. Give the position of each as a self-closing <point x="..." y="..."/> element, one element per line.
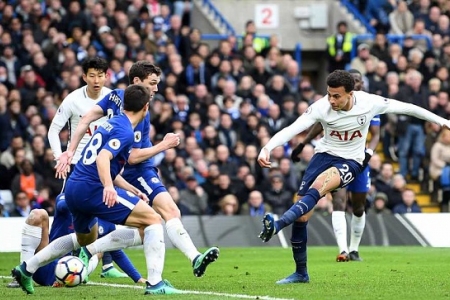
<point x="239" y="296"/>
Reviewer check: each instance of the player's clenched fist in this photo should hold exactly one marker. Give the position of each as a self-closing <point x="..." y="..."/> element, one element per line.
<point x="109" y="195"/>
<point x="172" y="140"/>
<point x="264" y="158"/>
<point x="143" y="197"/>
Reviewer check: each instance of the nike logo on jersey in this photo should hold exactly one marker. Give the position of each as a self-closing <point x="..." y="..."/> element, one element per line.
<point x="331" y="124"/>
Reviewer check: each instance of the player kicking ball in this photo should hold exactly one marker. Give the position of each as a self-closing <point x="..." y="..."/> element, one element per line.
<point x="71" y="110"/>
<point x="36" y="236"/>
<point x="95" y="189"/>
<point x="339" y="156"/>
<point x="140" y="170"/>
<point x="358" y="188"/>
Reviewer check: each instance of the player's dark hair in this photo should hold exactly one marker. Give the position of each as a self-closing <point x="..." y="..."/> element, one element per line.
<point x="96" y="63"/>
<point x="136" y="97"/>
<point x="142" y="69"/>
<point x="340" y="78"/>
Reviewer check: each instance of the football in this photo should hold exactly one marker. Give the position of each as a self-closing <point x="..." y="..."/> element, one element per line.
<point x="70" y="271"/>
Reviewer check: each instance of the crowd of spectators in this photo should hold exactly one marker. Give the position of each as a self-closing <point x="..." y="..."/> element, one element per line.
<point x="225" y="100"/>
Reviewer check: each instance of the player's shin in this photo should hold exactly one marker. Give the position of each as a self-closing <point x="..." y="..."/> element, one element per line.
<point x="117" y="239"/>
<point x="93" y="262"/>
<point x="298" y="241"/>
<point x="31" y="238"/>
<point x="55" y="249"/>
<point x="340" y="230"/>
<point x="181" y="239"/>
<point x="155" y="251"/>
<point x="357" y="229"/>
<point x="300" y="208"/>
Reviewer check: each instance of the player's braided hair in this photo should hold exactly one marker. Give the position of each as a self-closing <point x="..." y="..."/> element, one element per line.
<point x="142" y="69"/>
<point x="340" y="78"/>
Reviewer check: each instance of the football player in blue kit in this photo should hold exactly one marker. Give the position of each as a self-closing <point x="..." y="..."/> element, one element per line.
<point x="35" y="236"/>
<point x="96" y="189"/>
<point x="358" y="188"/>
<point x="140" y="170"/>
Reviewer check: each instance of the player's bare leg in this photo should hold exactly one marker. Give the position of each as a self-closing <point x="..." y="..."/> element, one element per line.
<point x="357" y="224"/>
<point x="339" y="222"/>
<point x="327" y="181"/>
<point x="166" y="207"/>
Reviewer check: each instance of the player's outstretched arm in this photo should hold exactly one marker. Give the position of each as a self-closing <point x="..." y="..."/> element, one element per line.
<point x="401" y="108"/>
<point x="301" y="124"/>
<point x="66" y="157"/>
<point x="138" y="155"/>
<point x="120" y="182"/>
<point x="315" y="131"/>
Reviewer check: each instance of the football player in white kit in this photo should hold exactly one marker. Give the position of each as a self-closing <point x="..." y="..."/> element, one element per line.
<point x="71" y="110"/>
<point x="340" y="156"/>
<point x="358" y="189"/>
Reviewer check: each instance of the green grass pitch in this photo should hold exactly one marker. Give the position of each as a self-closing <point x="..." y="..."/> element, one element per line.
<point x="385" y="273"/>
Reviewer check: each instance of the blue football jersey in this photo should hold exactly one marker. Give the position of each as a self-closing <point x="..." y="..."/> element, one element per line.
<point x="112" y="104"/>
<point x="375" y="121"/>
<point x="115" y="135"/>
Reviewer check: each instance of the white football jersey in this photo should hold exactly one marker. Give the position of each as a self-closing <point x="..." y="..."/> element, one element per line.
<point x="345" y="132"/>
<point x="71" y="110"/>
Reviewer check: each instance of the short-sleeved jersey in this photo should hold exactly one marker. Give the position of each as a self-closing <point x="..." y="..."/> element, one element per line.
<point x="112" y="104"/>
<point x="115" y="135"/>
<point x="70" y="112"/>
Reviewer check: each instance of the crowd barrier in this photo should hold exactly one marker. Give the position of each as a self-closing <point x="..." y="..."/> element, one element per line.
<point x="242" y="231"/>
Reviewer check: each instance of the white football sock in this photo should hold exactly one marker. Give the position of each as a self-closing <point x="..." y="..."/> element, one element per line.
<point x="340" y="230"/>
<point x="181" y="239"/>
<point x="31" y="238"/>
<point x="356" y="231"/>
<point x="116" y="240"/>
<point x="93" y="262"/>
<point x="107" y="266"/>
<point x="155" y="251"/>
<point x="55" y="249"/>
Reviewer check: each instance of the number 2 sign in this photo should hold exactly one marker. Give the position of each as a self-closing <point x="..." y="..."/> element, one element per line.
<point x="266" y="16"/>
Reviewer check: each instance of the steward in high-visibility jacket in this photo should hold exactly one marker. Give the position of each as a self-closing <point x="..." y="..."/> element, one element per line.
<point x="339" y="48"/>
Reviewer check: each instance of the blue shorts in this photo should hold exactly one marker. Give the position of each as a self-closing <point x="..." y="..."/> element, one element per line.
<point x="45" y="275"/>
<point x="85" y="202"/>
<point x="349" y="169"/>
<point x="361" y="184"/>
<point x="146" y="180"/>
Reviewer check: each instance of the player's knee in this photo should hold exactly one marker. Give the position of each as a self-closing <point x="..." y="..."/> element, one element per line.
<point x="37" y="217"/>
<point x="338" y="204"/>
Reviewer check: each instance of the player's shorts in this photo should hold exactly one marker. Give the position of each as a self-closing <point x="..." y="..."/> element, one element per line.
<point x="349" y="169"/>
<point x="146" y="180"/>
<point x="85" y="202"/>
<point x="45" y="275"/>
<point x="361" y="184"/>
<point x="105" y="227"/>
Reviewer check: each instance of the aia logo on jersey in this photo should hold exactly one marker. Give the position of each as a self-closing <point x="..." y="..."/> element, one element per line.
<point x="346" y="135"/>
<point x="362" y="120"/>
<point x="91" y="132"/>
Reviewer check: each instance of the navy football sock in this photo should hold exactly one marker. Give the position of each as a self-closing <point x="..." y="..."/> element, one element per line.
<point x="298" y="241"/>
<point x="107" y="258"/>
<point x="299" y="209"/>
